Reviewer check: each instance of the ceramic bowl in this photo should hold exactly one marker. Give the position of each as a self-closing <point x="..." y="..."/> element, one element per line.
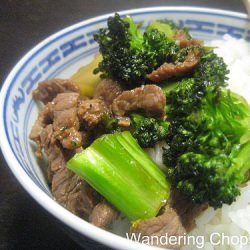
<point x="59" y="56"/>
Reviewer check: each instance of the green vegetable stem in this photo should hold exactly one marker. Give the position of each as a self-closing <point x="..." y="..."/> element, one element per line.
<point x="117" y="167"/>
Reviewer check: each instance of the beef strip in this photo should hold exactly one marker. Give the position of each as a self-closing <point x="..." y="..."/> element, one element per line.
<point x="53" y="151"/>
<point x="74" y="193"/>
<point x="68" y="189"/>
<point x="149" y="98"/>
<point x="184" y="41"/>
<point x="55" y="129"/>
<point x="108" y="90"/>
<point x="168" y="222"/>
<point x="48" y="89"/>
<point x="191" y="42"/>
<point x="181" y="34"/>
<point x="45" y="117"/>
<point x="66" y="123"/>
<point x="167" y="70"/>
<point x="86" y="138"/>
<point x="91" y="112"/>
<point x="103" y="214"/>
<point x="186" y="209"/>
<point x="177" y="218"/>
<point x="70" y="138"/>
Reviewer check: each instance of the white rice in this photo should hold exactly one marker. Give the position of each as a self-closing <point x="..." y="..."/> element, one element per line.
<point x="228" y="227"/>
<point x="156" y="153"/>
<point x="236" y="54"/>
<point x="225" y="228"/>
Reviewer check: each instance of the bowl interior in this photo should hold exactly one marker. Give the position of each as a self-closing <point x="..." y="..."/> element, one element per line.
<point x="60" y="56"/>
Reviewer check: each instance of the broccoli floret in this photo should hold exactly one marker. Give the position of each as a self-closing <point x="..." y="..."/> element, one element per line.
<point x="108" y="124"/>
<point x="129" y="55"/>
<point x="147" y="130"/>
<point x="208" y="137"/>
<point x="180" y="56"/>
<point x="212" y="70"/>
<point x="185" y="96"/>
<point x="209" y="148"/>
<point x="217" y="178"/>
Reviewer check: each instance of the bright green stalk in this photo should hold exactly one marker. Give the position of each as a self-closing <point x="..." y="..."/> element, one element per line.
<point x="163" y="27"/>
<point x="136" y="37"/>
<point x="117" y="167"/>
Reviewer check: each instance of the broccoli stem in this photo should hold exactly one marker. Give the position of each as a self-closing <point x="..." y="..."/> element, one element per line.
<point x="164" y="27"/>
<point x="241" y="162"/>
<point x="168" y="86"/>
<point x="124" y="174"/>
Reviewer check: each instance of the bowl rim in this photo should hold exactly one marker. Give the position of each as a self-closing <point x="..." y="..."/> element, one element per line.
<point x="81" y="226"/>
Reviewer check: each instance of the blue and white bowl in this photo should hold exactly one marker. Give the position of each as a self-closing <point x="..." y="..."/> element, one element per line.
<point x="61" y="55"/>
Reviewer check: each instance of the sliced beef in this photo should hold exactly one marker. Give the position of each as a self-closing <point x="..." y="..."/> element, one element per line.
<point x="168" y="222"/>
<point x="103" y="214"/>
<point x="66" y="123"/>
<point x="70" y="138"/>
<point x="62" y="113"/>
<point x="74" y="193"/>
<point x="53" y="151"/>
<point x="181" y="34"/>
<point x="48" y="90"/>
<point x="55" y="129"/>
<point x="86" y="138"/>
<point x="45" y="117"/>
<point x="149" y="98"/>
<point x="108" y="90"/>
<point x="57" y="132"/>
<point x="68" y="189"/>
<point x="186" y="209"/>
<point x="183" y="40"/>
<point x="168" y="70"/>
<point x="191" y="42"/>
<point x="91" y="112"/>
<point x="177" y="218"/>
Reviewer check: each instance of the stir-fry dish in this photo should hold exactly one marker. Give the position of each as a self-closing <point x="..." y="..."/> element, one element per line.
<point x="156" y="88"/>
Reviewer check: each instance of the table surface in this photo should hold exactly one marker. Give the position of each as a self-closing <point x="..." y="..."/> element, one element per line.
<point x="23" y="223"/>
